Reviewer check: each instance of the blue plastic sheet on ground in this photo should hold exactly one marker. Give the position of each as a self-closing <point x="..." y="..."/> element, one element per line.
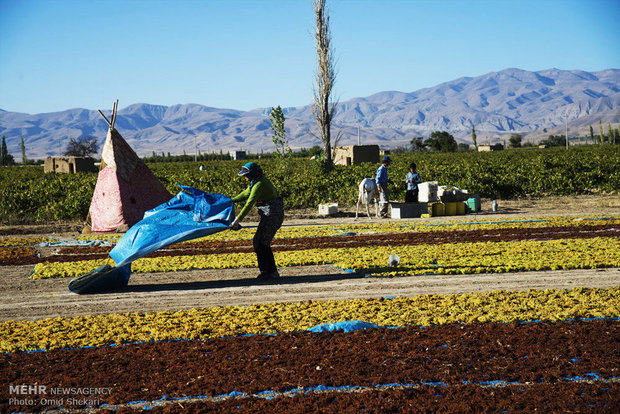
<point x="103" y="279"/>
<point x="75" y="243"/>
<point x="346" y="326"/>
<point x="190" y="214"/>
<point x="596" y="218"/>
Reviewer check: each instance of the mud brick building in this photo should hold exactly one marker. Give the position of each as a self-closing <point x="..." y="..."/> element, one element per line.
<point x="69" y="165"/>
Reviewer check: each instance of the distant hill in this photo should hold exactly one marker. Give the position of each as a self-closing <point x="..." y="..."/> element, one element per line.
<point x="498" y="104"/>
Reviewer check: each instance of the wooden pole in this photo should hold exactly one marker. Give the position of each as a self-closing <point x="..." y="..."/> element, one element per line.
<point x="106" y="119"/>
<point x="115" y="108"/>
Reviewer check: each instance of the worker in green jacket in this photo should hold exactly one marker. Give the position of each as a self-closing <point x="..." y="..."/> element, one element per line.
<point x="261" y="192"/>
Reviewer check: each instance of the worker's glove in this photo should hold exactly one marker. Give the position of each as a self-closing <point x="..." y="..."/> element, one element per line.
<point x="235" y="224"/>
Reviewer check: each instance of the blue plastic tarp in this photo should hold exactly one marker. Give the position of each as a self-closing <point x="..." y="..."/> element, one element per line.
<point x="190" y="214"/>
<point x="103" y="279"/>
<point x="346" y="326"/>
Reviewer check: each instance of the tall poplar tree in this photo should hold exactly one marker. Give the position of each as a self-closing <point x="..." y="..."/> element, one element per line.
<point x="3" y="152"/>
<point x="323" y="107"/>
<point x="23" y="148"/>
<point x="473" y="136"/>
<point x="5" y="157"/>
<point x="283" y="150"/>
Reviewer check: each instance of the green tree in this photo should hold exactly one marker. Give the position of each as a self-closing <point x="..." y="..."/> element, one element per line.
<point x="23" y="148"/>
<point x="610" y="134"/>
<point x="315" y="150"/>
<point x="283" y="150"/>
<point x="473" y="136"/>
<point x="82" y="147"/>
<point x="5" y="157"/>
<point x="417" y="144"/>
<point x="3" y="151"/>
<point x="591" y="134"/>
<point x="600" y="128"/>
<point x="554" y="141"/>
<point x="515" y="140"/>
<point x="441" y="141"/>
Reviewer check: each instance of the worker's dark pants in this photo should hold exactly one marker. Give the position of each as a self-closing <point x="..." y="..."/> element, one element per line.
<point x="271" y="217"/>
<point x="411" y="196"/>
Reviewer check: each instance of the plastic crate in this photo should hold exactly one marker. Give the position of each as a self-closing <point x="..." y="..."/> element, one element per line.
<point x="473" y="203"/>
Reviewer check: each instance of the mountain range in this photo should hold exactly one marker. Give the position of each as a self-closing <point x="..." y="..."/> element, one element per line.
<point x="498" y="104"/>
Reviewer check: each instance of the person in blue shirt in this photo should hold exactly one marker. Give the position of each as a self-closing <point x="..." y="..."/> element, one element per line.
<point x="382" y="185"/>
<point x="412" y="180"/>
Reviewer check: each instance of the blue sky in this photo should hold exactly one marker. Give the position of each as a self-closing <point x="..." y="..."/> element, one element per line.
<point x="247" y="54"/>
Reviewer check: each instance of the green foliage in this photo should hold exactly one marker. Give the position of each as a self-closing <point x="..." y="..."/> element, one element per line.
<point x="5" y="157"/>
<point x="279" y="133"/>
<point x="314" y="151"/>
<point x="29" y="195"/>
<point x="181" y="158"/>
<point x="417" y="144"/>
<point x="515" y="140"/>
<point x="554" y="141"/>
<point x="473" y="136"/>
<point x="23" y="148"/>
<point x="441" y="141"/>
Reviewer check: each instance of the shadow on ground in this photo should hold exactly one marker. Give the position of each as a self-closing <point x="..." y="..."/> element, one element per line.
<point x="245" y="282"/>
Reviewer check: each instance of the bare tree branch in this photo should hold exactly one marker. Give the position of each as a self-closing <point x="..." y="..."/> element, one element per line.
<point x="323" y="108"/>
<point x="339" y="136"/>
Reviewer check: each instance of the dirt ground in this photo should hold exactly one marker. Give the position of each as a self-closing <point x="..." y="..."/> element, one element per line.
<point x="25" y="299"/>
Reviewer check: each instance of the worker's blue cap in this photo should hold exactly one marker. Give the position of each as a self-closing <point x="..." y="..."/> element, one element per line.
<point x="387" y="159"/>
<point x="249" y="168"/>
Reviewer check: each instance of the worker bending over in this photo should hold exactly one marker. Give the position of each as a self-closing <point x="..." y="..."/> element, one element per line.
<point x="261" y="192"/>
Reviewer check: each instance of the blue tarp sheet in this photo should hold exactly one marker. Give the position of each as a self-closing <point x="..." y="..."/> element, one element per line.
<point x="190" y="214"/>
<point x="346" y="326"/>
